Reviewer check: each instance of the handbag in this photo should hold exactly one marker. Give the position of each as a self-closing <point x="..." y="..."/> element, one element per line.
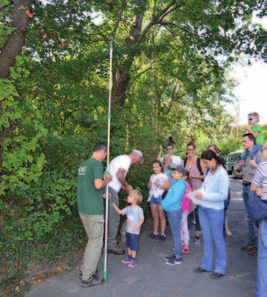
<point x="257" y="209"/>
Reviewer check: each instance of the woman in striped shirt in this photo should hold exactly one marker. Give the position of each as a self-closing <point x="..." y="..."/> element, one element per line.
<point x="259" y="184"/>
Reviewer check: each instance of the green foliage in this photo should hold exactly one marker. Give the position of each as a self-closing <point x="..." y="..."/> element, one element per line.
<point x="166" y="80"/>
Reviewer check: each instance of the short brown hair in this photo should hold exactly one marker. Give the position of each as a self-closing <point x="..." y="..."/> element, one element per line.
<point x="136" y="195"/>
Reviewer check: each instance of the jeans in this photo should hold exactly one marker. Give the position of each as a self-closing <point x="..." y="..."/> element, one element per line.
<point x="194" y="214"/>
<point x="113" y="219"/>
<point x="252" y="237"/>
<point x="184" y="229"/>
<point x="211" y="221"/>
<point x="262" y="260"/>
<point x="94" y="227"/>
<point x="175" y="217"/>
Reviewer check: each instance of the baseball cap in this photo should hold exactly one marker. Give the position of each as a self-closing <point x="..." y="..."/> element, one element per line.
<point x="179" y="168"/>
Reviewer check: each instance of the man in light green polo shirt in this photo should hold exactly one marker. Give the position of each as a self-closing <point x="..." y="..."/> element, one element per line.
<point x="91" y="210"/>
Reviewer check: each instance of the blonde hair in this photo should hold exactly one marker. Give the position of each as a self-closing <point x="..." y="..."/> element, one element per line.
<point x="136" y="195"/>
<point x="167" y="157"/>
<point x="255" y="115"/>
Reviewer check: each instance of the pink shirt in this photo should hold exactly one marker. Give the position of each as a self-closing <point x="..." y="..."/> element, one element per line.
<point x="185" y="203"/>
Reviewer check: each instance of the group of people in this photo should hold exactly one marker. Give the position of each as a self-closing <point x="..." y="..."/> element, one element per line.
<point x="180" y="191"/>
<point x="254" y="164"/>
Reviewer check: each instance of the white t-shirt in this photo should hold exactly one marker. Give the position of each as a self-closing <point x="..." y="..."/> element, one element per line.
<point x="156" y="191"/>
<point x="134" y="216"/>
<point x="120" y="162"/>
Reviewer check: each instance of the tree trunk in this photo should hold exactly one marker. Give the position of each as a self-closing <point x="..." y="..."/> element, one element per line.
<point x="16" y="39"/>
<point x="122" y="77"/>
<point x="9" y="53"/>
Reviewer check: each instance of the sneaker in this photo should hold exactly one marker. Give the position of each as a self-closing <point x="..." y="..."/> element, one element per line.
<point x="132" y="263"/>
<point x="162" y="238"/>
<point x="185" y="250"/>
<point x="200" y="270"/>
<point x="126" y="260"/>
<point x="253" y="252"/>
<point x="116" y="251"/>
<point x="248" y="247"/>
<point x="228" y="232"/>
<point x="91" y="281"/>
<point x="170" y="257"/>
<point x="216" y="275"/>
<point x="197" y="240"/>
<point x="153" y="236"/>
<point x="174" y="261"/>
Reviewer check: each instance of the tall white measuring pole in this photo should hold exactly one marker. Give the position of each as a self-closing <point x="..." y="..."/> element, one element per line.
<point x="108" y="145"/>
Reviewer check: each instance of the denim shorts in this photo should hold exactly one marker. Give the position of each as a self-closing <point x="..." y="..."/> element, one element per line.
<point x="154" y="200"/>
<point x="132" y="241"/>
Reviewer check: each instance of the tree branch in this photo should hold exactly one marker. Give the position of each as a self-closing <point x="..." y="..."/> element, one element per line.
<point x="181" y="28"/>
<point x="157" y="20"/>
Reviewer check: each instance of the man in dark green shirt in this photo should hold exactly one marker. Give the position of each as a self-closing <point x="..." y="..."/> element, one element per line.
<point x="91" y="210"/>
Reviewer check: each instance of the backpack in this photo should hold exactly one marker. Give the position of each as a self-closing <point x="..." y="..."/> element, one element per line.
<point x="198" y="165"/>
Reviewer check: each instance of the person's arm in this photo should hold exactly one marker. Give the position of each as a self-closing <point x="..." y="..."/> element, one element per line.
<point x="197" y="176"/>
<point x="116" y="208"/>
<point x="258" y="190"/>
<point x="123" y="181"/>
<point x="138" y="225"/>
<point x="149" y="184"/>
<point x="258" y="177"/>
<point x="253" y="163"/>
<point x="221" y="193"/>
<point x="203" y="167"/>
<point x="160" y="152"/>
<point x="141" y="218"/>
<point x="175" y="194"/>
<point x="101" y="183"/>
<point x="256" y="185"/>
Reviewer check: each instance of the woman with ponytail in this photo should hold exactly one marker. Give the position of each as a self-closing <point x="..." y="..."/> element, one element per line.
<point x="211" y="214"/>
<point x="196" y="168"/>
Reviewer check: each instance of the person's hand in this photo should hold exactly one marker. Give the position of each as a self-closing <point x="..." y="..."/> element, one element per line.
<point x="128" y="188"/>
<point x="108" y="177"/>
<point x="240" y="164"/>
<point x="109" y="195"/>
<point x="198" y="195"/>
<point x="160" y="148"/>
<point x="157" y="184"/>
<point x="135" y="228"/>
<point x="253" y="162"/>
<point x="259" y="191"/>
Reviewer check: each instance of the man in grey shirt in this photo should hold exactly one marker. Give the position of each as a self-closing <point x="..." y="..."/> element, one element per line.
<point x="249" y="170"/>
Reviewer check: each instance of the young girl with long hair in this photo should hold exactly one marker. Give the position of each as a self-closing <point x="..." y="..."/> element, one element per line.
<point x="157" y="184"/>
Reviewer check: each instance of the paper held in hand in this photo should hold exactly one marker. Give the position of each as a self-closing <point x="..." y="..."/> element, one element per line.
<point x="194" y="199"/>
